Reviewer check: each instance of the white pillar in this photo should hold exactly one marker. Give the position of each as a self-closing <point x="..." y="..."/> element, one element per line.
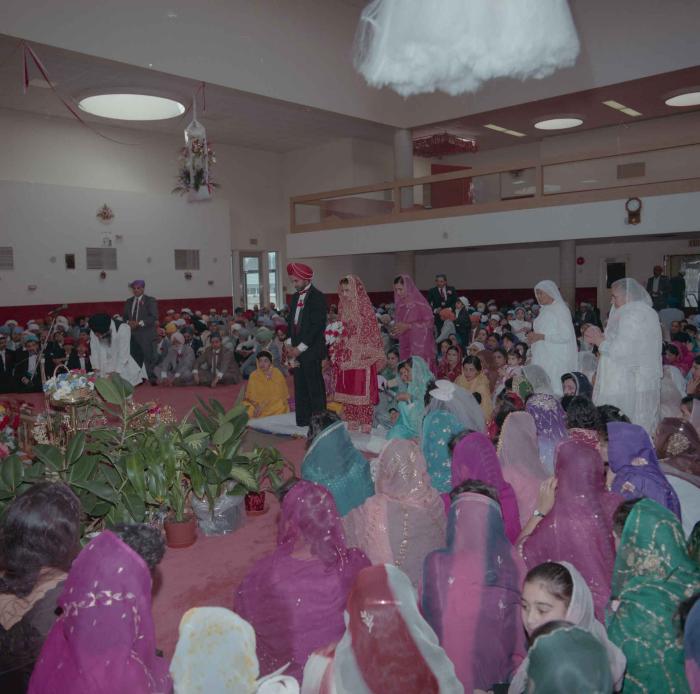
<point x="567" y="271"/>
<point x="403" y="163"/>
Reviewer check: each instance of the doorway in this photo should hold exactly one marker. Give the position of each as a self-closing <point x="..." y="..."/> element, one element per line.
<point x="689" y="265"/>
<point x="252" y="285"/>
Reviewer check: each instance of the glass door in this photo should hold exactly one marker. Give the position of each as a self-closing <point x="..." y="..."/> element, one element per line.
<point x="251" y="280"/>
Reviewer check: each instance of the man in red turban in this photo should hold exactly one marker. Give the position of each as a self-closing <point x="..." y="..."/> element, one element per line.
<point x="306" y="328"/>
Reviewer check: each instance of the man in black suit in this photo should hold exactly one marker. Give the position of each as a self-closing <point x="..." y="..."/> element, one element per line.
<point x="79" y="359"/>
<point x="441" y="296"/>
<point x="27" y="367"/>
<point x="306" y="328"/>
<point x="659" y="286"/>
<point x="7" y="364"/>
<point x="141" y="313"/>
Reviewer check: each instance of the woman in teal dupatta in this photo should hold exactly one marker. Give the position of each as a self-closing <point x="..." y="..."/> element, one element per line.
<point x="653" y="575"/>
<point x="333" y="461"/>
<point x="411" y="404"/>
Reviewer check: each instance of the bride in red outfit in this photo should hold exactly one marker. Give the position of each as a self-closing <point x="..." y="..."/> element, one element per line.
<point x="357" y="355"/>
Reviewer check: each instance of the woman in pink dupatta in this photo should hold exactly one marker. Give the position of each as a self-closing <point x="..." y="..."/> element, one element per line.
<point x="104" y="640"/>
<point x="520" y="461"/>
<point x="415" y="323"/>
<point x="405" y="519"/>
<point x="294" y="598"/>
<point x="357" y="355"/>
<point x="578" y="529"/>
<point x="475" y="458"/>
<point x="471" y="594"/>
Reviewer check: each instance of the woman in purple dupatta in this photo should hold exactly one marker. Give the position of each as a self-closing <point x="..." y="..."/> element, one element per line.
<point x="550" y="420"/>
<point x="471" y="594"/>
<point x="578" y="529"/>
<point x="520" y="461"/>
<point x="634" y="468"/>
<point x="475" y="458"/>
<point x="415" y="323"/>
<point x="104" y="640"/>
<point x="295" y="597"/>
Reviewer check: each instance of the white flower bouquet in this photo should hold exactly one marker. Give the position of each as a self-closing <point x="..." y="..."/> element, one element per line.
<point x="333" y="332"/>
<point x="70" y="387"/>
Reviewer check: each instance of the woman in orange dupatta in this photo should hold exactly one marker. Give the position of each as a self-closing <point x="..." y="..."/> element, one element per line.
<point x="357" y="355"/>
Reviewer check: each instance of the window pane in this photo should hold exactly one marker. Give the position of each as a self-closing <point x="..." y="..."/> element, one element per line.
<point x="252" y="284"/>
<point x="272" y="260"/>
<point x="272" y="282"/>
<point x="251" y="263"/>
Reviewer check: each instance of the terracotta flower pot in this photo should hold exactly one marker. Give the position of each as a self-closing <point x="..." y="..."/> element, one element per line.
<point x="255" y="503"/>
<point x="181" y="533"/>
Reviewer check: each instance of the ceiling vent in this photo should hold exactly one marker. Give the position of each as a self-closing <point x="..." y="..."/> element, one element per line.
<point x="635" y="169"/>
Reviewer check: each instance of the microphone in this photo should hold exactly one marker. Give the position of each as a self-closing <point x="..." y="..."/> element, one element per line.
<point x="58" y="308"/>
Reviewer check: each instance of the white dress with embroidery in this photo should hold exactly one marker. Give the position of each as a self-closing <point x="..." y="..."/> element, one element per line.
<point x="630" y="370"/>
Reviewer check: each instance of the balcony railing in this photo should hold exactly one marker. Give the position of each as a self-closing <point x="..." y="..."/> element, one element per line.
<point x="517" y="186"/>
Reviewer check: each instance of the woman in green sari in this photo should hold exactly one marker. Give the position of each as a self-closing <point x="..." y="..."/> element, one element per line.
<point x="653" y="575"/>
<point x="411" y="405"/>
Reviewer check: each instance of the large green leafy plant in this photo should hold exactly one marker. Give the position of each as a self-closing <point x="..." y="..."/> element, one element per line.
<point x="124" y="471"/>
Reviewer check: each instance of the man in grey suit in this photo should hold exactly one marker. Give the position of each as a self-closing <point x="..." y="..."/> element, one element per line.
<point x="216" y="365"/>
<point x="176" y="368"/>
<point x="141" y="313"/>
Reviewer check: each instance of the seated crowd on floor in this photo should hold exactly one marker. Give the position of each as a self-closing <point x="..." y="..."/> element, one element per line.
<point x="531" y="525"/>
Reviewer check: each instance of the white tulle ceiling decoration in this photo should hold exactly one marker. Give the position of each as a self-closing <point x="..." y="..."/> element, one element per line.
<point x="419" y="46"/>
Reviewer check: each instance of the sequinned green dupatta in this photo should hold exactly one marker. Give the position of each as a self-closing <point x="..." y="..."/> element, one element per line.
<point x="653" y="574"/>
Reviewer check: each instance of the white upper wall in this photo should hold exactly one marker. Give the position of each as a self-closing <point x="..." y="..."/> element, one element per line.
<point x="43" y="222"/>
<point x="61" y="151"/>
<point x="301" y="51"/>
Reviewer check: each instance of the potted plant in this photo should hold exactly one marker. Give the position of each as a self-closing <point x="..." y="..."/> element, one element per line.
<point x="218" y="472"/>
<point x="267" y="466"/>
<point x="180" y="525"/>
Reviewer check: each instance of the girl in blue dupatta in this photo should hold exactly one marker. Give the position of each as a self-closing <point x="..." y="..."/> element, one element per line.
<point x="451" y="411"/>
<point x="333" y="461"/>
<point x="417" y="375"/>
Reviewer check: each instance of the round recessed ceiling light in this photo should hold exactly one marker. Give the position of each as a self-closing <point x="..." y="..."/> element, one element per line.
<point x="687" y="99"/>
<point x="558" y="123"/>
<point x="132" y="106"/>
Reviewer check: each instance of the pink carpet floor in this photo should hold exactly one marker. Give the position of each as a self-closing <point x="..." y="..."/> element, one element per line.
<point x="208" y="572"/>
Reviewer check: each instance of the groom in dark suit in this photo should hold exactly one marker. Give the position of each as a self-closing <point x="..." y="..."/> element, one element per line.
<point x="306" y="328"/>
<point x="441" y="296"/>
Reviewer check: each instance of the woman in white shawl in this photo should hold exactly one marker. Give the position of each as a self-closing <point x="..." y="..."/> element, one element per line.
<point x="629" y="370"/>
<point x="215" y="653"/>
<point x="553" y="339"/>
<point x="110" y="349"/>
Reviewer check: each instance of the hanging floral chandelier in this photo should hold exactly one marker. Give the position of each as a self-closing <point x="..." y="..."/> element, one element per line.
<point x="196" y="159"/>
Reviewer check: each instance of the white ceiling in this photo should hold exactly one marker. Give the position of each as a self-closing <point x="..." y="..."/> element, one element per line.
<point x="301" y="51"/>
<point x="231" y="116"/>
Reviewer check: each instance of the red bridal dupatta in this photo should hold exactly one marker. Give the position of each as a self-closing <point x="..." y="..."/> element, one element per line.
<point x="471" y="594"/>
<point x="359" y="352"/>
<point x="414" y="310"/>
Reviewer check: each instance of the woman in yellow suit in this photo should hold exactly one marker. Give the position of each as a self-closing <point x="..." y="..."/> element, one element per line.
<point x="267" y="393"/>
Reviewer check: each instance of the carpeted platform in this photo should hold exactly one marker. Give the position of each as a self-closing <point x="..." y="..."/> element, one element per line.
<point x="209" y="572"/>
<point x="180" y="399"/>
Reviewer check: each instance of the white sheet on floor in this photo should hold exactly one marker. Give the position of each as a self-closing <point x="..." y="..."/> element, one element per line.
<point x="285" y="425"/>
